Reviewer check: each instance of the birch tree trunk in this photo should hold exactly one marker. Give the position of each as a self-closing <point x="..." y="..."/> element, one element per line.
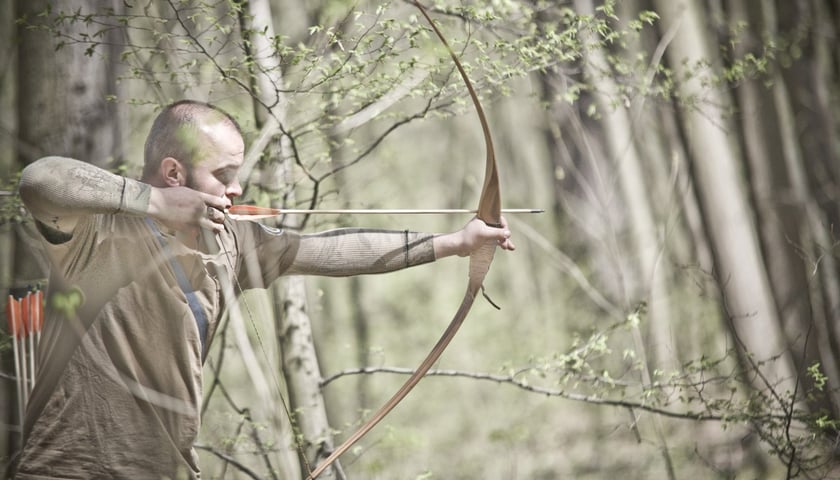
<point x="299" y="360"/>
<point x="670" y="191"/>
<point x="740" y="271"/>
<point x="647" y="277"/>
<point x="788" y="223"/>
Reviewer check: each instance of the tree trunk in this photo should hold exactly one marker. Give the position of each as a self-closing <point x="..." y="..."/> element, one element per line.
<point x="8" y="168"/>
<point x="717" y="170"/>
<point x="62" y="108"/>
<point x="810" y="177"/>
<point x="787" y="222"/>
<point x="646" y="277"/>
<point x="62" y="92"/>
<point x="299" y="359"/>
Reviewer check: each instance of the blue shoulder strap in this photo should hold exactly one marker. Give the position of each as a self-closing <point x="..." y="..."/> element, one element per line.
<point x="184" y="284"/>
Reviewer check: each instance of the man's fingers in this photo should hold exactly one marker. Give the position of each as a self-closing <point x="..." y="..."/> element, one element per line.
<point x="215" y="212"/>
<point x="211" y="225"/>
<point x="215" y="215"/>
<point x="504" y="236"/>
<point x="506" y="244"/>
<point x="219" y="203"/>
<point x="214" y="220"/>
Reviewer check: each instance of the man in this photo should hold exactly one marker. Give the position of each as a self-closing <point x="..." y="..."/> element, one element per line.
<point x="136" y="293"/>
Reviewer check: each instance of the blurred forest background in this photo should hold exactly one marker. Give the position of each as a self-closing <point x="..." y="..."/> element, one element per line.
<point x="673" y="314"/>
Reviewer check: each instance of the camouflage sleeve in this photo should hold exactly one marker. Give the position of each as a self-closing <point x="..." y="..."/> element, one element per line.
<point x="355" y="251"/>
<point x="58" y="190"/>
<point x="267" y="253"/>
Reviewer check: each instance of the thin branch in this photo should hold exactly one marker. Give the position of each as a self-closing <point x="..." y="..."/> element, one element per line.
<point x="383" y="103"/>
<point x="227" y="458"/>
<point x="510" y="380"/>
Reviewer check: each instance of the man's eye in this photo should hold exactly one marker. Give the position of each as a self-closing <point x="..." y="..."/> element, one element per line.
<point x="226" y="176"/>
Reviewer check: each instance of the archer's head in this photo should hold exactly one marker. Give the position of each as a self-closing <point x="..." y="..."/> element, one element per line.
<point x="197" y="145"/>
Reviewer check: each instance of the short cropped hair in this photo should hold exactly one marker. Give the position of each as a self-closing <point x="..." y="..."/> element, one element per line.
<point x="176" y="133"/>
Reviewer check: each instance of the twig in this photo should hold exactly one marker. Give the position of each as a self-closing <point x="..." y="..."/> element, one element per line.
<point x="227" y="458"/>
<point x="383" y="103"/>
<point x="510" y="380"/>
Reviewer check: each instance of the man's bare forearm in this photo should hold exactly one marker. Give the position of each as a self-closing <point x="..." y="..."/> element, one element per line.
<point x="57" y="190"/>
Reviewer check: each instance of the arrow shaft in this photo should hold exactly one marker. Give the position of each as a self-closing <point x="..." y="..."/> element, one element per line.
<point x="245" y="212"/>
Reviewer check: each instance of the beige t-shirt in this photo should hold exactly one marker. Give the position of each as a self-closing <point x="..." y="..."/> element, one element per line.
<point x="119" y="384"/>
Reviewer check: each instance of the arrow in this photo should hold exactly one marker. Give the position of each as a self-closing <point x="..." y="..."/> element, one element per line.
<point x="253" y="212"/>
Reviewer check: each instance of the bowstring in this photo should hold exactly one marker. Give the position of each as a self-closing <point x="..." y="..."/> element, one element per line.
<point x="296" y="433"/>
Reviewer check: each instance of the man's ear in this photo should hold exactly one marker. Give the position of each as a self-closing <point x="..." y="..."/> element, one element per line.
<point x="172" y="172"/>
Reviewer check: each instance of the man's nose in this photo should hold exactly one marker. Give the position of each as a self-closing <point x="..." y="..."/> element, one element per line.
<point x="233" y="190"/>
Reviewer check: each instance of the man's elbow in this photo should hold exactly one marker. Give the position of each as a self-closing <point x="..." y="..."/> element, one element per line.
<point x="36" y="178"/>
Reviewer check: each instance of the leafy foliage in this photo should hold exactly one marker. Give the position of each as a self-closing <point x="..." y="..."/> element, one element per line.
<point x="354" y="78"/>
<point x="11" y="208"/>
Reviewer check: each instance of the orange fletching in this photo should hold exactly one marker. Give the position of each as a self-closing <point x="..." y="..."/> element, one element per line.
<point x="39" y="307"/>
<point x="11" y="319"/>
<point x="32" y="319"/>
<point x="252" y="210"/>
<point x="20" y="332"/>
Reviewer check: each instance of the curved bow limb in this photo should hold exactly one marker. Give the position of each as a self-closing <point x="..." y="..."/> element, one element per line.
<point x="479" y="265"/>
<point x="489" y="211"/>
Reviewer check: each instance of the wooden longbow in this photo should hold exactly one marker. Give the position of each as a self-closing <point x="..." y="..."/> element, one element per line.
<point x="489" y="211"/>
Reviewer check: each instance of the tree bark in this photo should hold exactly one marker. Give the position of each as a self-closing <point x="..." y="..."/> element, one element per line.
<point x="62" y="92"/>
<point x="299" y="359"/>
<point x="647" y="277"/>
<point x="61" y="110"/>
<point x="718" y="173"/>
<point x="788" y="223"/>
<point x="809" y="176"/>
<point x="8" y="168"/>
